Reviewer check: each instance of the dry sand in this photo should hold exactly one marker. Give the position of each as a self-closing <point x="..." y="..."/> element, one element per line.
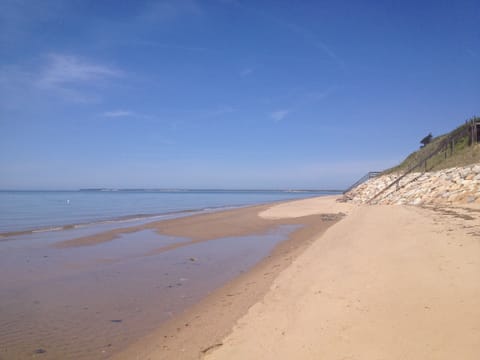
<point x="386" y="282"/>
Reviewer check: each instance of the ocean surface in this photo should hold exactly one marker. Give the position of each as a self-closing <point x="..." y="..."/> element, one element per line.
<point x="24" y="211"/>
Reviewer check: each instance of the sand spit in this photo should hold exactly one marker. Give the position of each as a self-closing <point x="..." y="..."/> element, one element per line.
<point x="386" y="282"/>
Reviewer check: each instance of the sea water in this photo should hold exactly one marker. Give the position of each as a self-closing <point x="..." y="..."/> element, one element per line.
<point x="55" y="210"/>
<point x="87" y="302"/>
<point x="90" y="302"/>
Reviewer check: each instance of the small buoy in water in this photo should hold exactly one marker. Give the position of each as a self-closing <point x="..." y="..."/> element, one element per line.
<point x="68" y="202"/>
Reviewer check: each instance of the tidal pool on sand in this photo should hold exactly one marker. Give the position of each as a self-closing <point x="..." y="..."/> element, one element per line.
<point x="91" y="301"/>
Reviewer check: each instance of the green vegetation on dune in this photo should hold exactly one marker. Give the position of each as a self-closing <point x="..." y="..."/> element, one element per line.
<point x="459" y="152"/>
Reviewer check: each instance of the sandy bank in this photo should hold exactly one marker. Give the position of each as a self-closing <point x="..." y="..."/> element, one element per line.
<point x="386" y="282"/>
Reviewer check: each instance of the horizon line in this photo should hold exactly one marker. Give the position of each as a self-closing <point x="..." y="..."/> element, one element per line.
<point x="114" y="189"/>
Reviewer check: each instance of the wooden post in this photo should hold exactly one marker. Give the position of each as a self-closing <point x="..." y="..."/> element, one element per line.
<point x="475" y="138"/>
<point x="471" y="133"/>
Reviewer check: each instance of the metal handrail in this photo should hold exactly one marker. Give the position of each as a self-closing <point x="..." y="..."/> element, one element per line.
<point x="364" y="178"/>
<point x="441" y="145"/>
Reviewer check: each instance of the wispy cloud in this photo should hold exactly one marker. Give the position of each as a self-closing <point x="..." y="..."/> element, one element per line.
<point x="168" y="10"/>
<point x="472" y="53"/>
<point x="75" y="77"/>
<point x="130" y="114"/>
<point x="309" y="36"/>
<point x="220" y="111"/>
<point x="230" y="2"/>
<point x="118" y="113"/>
<point x="319" y="44"/>
<point x="279" y="115"/>
<point x="246" y="72"/>
<point x="70" y="77"/>
<point x="64" y="70"/>
<point x="295" y="99"/>
<point x="156" y="44"/>
<point x="208" y="113"/>
<point x="314" y="96"/>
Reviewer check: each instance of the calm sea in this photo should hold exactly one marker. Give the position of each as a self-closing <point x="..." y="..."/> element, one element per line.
<point x="48" y="210"/>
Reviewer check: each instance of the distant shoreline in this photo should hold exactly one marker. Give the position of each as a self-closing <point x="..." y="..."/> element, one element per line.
<point x="174" y="190"/>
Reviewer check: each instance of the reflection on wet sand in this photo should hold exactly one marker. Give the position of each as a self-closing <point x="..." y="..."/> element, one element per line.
<point x="91" y="299"/>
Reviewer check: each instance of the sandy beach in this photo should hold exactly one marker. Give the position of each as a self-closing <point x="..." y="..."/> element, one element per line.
<point x="386" y="282"/>
<point x="233" y="180"/>
<point x="344" y="281"/>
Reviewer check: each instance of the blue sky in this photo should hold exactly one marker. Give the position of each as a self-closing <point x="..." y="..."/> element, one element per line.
<point x="229" y="94"/>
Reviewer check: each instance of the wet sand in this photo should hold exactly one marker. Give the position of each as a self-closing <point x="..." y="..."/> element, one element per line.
<point x="94" y="296"/>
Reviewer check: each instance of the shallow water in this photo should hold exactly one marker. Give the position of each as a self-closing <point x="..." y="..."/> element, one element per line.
<point x="29" y="210"/>
<point x="88" y="302"/>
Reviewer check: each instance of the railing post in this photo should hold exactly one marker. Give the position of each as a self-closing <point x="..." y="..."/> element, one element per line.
<point x="448" y="142"/>
<point x="474" y="133"/>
